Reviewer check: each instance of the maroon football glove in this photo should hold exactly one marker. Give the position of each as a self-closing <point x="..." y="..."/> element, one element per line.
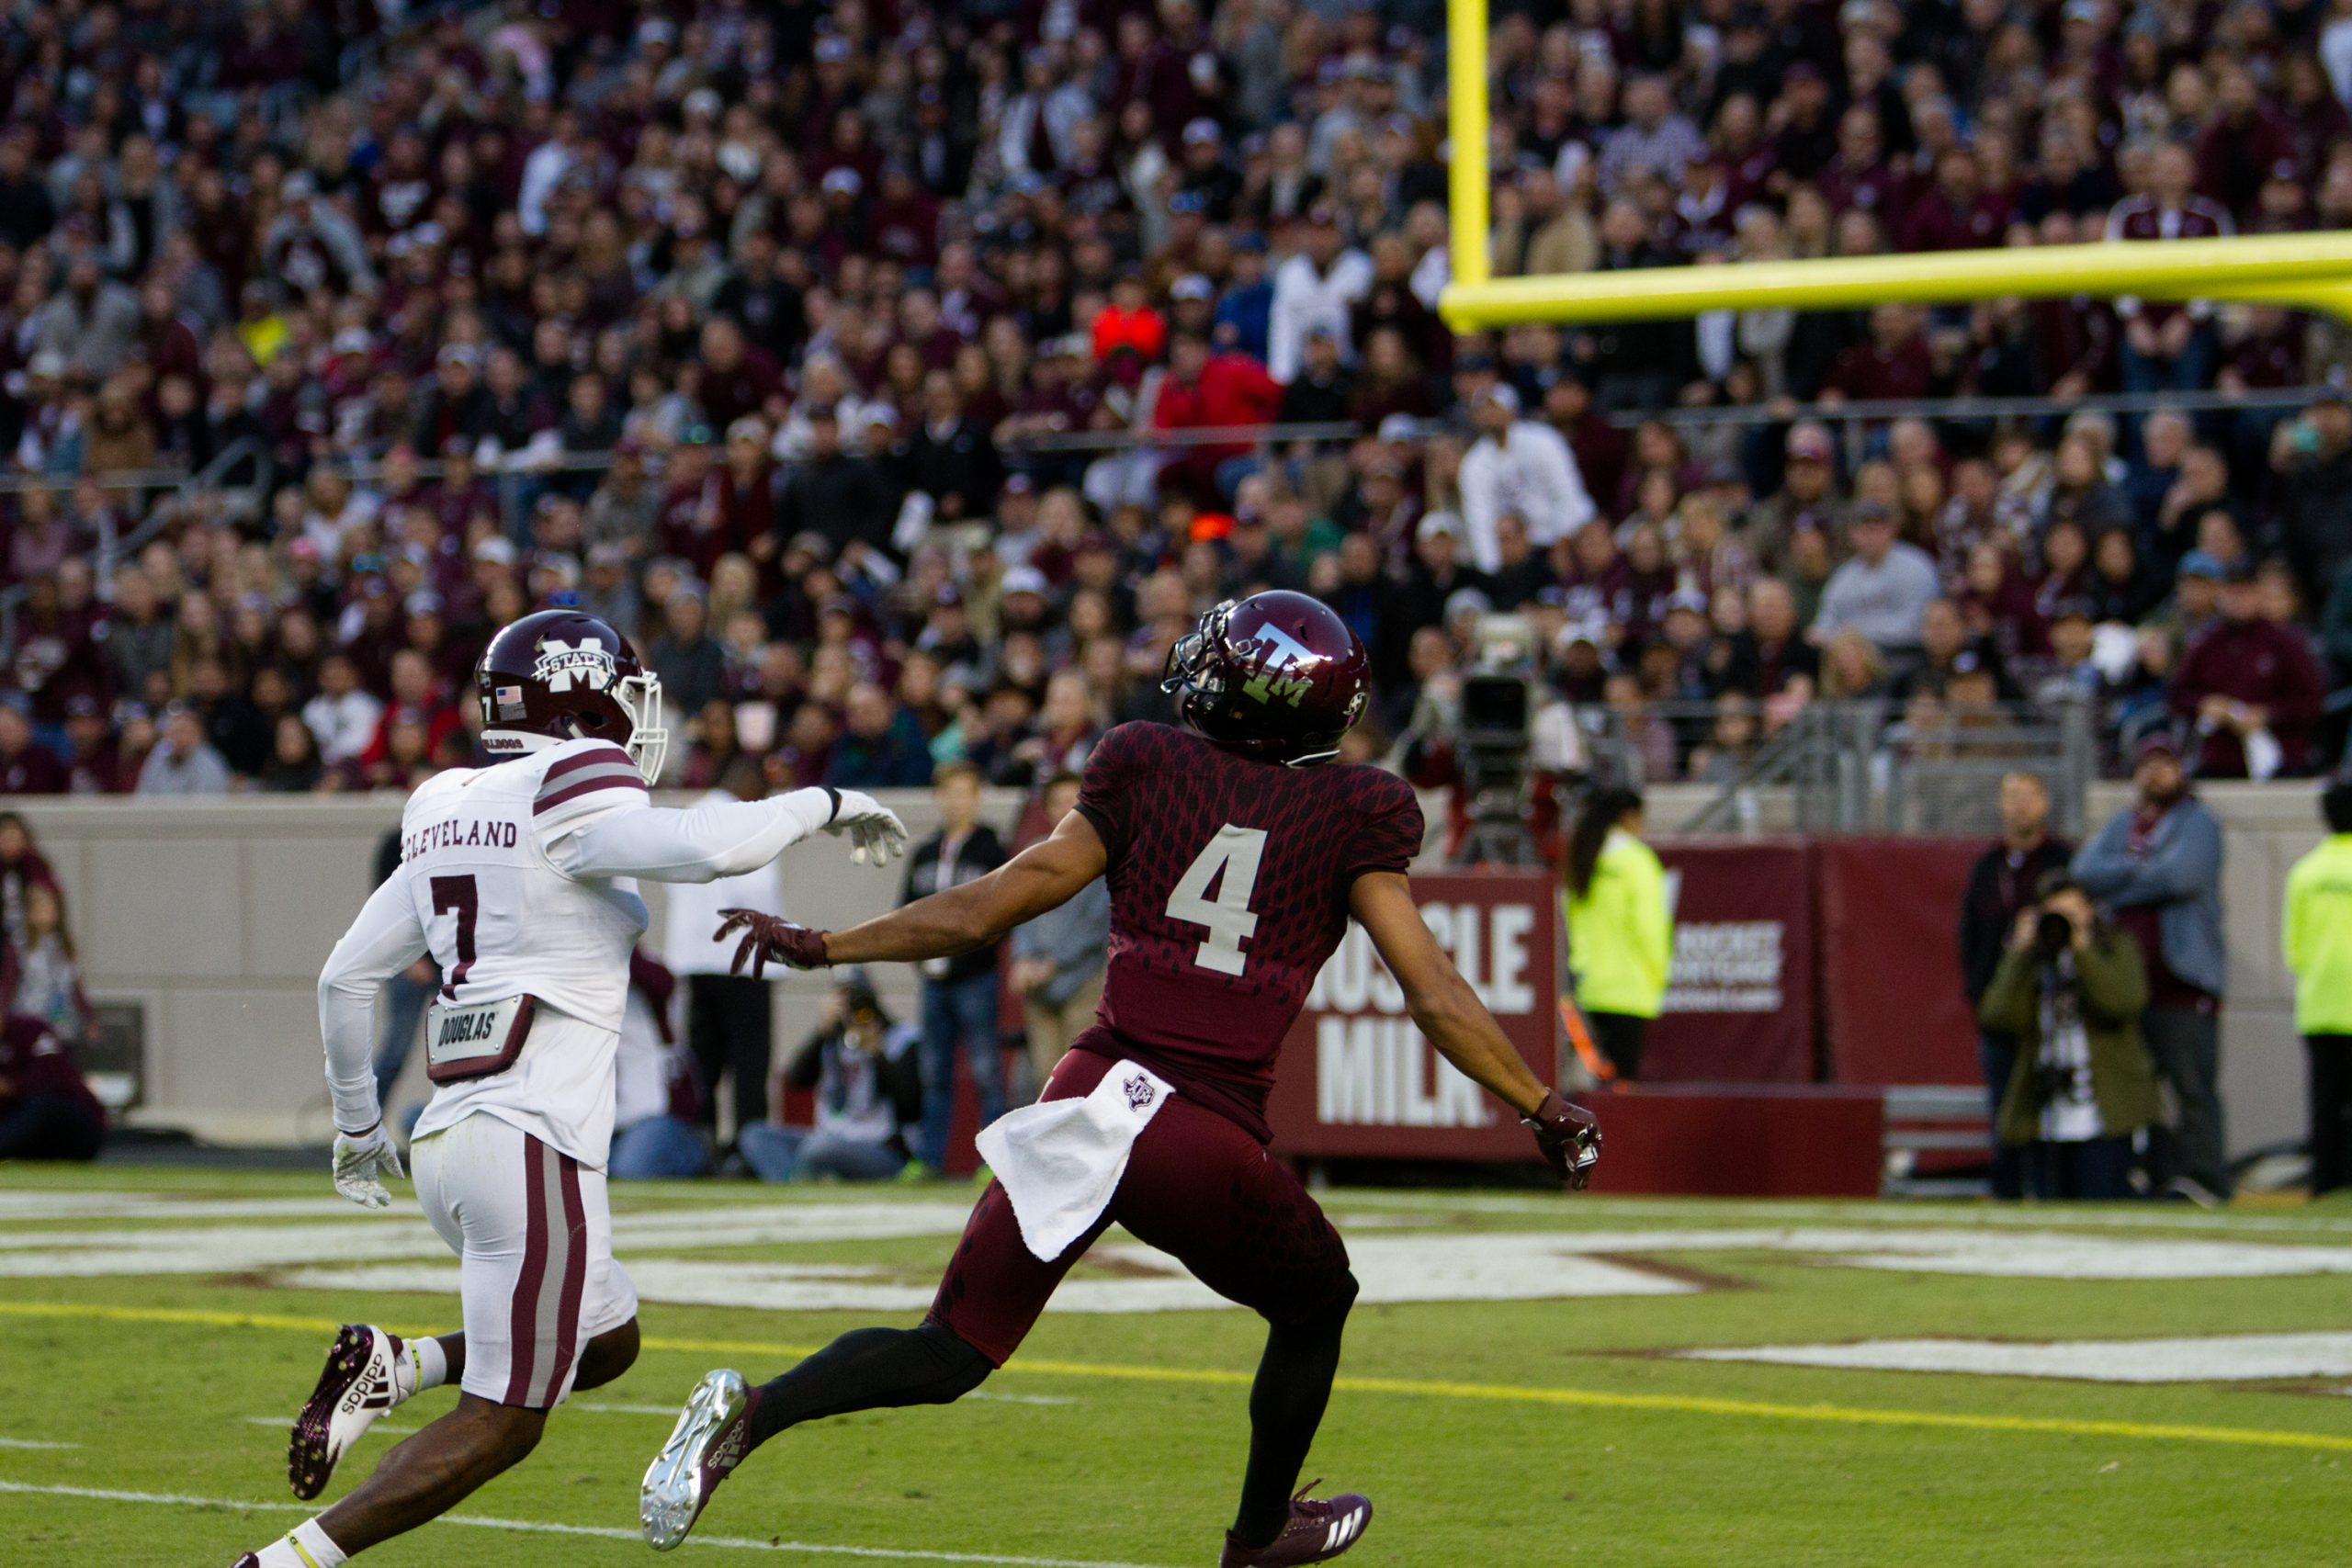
<point x="770" y="936"/>
<point x="1569" y="1136"/>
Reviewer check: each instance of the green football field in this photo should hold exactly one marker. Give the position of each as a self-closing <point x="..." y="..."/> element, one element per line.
<point x="1882" y="1383"/>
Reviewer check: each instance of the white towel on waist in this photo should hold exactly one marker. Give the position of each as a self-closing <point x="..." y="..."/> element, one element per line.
<point x="1060" y="1161"/>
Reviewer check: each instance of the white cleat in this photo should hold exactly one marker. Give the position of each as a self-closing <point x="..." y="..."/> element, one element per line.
<point x="357" y="1386"/>
<point x="713" y="1434"/>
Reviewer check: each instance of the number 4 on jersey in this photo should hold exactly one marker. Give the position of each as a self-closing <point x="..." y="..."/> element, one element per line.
<point x="1230" y="864"/>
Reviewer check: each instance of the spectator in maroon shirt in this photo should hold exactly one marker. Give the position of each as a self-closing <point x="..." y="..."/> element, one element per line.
<point x="2242" y="142"/>
<point x="2251" y="687"/>
<point x="736" y="378"/>
<point x="1956" y="212"/>
<point x="47" y="1110"/>
<point x="25" y="768"/>
<point x="2167" y="346"/>
<point x="1894" y="363"/>
<point x="1861" y="175"/>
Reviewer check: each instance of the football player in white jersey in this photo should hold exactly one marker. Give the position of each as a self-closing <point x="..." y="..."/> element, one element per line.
<point x="512" y="877"/>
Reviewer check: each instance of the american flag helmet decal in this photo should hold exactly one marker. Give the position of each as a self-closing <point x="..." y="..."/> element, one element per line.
<point x="509" y="700"/>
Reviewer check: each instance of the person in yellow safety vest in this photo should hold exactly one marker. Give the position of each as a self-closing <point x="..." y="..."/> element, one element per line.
<point x="1621" y="933"/>
<point x="2317" y="934"/>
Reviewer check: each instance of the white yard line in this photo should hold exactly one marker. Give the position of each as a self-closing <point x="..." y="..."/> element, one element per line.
<point x="599" y="1532"/>
<point x="32" y="1443"/>
<point x="1859" y="1211"/>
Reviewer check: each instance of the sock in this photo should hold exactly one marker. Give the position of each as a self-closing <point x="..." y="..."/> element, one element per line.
<point x="421" y="1364"/>
<point x="308" y="1547"/>
<point x="1287" y="1405"/>
<point x="871" y="1368"/>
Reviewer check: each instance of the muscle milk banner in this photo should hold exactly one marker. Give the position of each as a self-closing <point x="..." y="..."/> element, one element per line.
<point x="1358" y="1079"/>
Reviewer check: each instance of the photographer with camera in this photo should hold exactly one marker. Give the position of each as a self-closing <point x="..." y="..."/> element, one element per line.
<point x="2070" y="992"/>
<point x="861" y="1063"/>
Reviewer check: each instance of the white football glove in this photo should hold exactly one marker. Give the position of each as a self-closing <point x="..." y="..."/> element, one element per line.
<point x="362" y="1161"/>
<point x="875" y="832"/>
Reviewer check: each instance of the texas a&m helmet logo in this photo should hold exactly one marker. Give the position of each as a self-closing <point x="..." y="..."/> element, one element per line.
<point x="560" y="665"/>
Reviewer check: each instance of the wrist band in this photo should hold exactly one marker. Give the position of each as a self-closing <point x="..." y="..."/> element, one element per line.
<point x="364" y="1131"/>
<point x="835" y="797"/>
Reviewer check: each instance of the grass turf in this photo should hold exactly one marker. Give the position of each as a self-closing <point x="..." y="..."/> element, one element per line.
<point x="1118" y="1439"/>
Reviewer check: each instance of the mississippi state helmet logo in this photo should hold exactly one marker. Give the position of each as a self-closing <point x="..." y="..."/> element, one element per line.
<point x="560" y="665"/>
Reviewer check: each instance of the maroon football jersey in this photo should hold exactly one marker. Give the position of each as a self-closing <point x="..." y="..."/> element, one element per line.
<point x="1229" y="880"/>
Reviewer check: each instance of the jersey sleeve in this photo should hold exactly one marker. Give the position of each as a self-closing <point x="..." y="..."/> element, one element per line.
<point x="584" y="785"/>
<point x="1106" y="794"/>
<point x="1390" y="832"/>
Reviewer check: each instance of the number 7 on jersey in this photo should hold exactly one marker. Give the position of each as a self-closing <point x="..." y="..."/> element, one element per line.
<point x="1230" y="862"/>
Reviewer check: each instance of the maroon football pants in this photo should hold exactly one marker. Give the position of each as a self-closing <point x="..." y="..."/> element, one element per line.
<point x="1198" y="1188"/>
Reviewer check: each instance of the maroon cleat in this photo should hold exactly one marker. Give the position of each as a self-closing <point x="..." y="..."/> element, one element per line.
<point x="1317" y="1531"/>
<point x="247" y="1560"/>
<point x="356" y="1388"/>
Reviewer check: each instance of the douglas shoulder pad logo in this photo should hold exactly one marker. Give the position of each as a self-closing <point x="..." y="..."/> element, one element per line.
<point x="560" y="665"/>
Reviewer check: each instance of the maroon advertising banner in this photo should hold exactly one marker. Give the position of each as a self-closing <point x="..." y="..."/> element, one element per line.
<point x="1739" y="998"/>
<point x="1893" y="1008"/>
<point x="1357" y="1080"/>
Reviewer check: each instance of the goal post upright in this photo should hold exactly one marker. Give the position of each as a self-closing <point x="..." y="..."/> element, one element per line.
<point x="1469" y="132"/>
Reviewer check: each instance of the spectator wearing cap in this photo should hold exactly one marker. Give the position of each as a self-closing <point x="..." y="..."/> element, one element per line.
<point x="1317" y="285"/>
<point x="2316" y="935"/>
<point x="1808" y="495"/>
<point x="2157" y="865"/>
<point x="1204" y="171"/>
<point x="2251" y="689"/>
<point x="184" y="762"/>
<point x="1882" y="589"/>
<point x="1521" y="466"/>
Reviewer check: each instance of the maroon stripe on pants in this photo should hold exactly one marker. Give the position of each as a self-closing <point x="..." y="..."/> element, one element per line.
<point x="575" y="1277"/>
<point x="523" y="1329"/>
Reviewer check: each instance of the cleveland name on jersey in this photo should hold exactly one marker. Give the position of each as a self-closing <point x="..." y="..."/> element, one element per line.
<point x="1229" y="880"/>
<point x="477" y="863"/>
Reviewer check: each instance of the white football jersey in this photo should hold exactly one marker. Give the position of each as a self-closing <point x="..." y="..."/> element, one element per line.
<point x="502" y="920"/>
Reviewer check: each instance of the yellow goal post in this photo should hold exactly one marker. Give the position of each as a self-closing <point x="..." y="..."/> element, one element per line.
<point x="2310" y="271"/>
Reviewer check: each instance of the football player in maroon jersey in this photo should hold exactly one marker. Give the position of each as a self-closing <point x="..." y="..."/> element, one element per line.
<point x="1236" y="851"/>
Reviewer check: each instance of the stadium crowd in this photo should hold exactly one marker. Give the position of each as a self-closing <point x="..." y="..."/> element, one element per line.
<point x="810" y="343"/>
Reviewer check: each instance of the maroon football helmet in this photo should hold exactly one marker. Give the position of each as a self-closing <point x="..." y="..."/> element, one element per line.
<point x="561" y="675"/>
<point x="1275" y="675"/>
